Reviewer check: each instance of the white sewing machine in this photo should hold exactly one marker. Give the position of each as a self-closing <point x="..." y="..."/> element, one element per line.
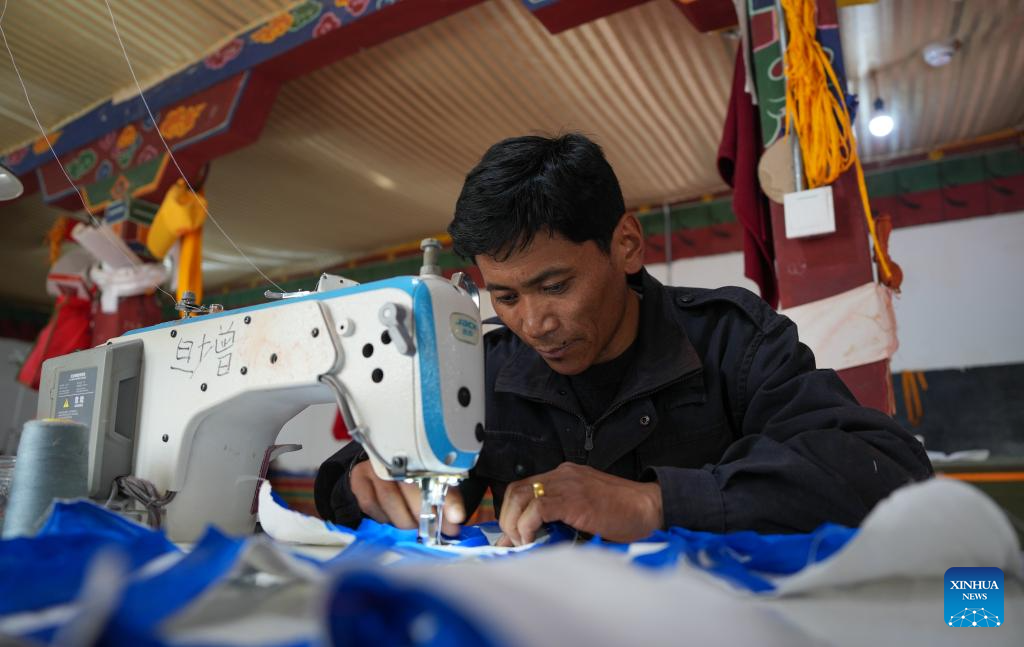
<point x="194" y="406"/>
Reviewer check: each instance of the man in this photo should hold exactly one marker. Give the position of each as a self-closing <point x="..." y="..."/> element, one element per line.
<point x="620" y="406"/>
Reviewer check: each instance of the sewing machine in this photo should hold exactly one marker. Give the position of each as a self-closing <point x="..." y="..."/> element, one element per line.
<point x="194" y="406"/>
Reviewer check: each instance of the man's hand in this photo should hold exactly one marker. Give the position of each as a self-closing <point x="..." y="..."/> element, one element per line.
<point x="585" y="498"/>
<point x="399" y="503"/>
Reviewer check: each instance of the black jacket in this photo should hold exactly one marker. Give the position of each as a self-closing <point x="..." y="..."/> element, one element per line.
<point x="722" y="406"/>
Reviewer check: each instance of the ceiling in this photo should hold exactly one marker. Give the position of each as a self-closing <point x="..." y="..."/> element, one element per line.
<point x="371" y="151"/>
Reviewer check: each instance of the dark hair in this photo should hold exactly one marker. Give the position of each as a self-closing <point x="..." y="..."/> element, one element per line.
<point x="526" y="185"/>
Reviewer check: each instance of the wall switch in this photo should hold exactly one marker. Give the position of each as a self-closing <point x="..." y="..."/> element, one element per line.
<point x="809" y="213"/>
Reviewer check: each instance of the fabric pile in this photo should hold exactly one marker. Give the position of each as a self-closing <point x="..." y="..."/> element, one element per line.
<point x="92" y="577"/>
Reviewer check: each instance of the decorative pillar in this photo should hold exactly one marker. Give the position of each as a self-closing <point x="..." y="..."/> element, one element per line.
<point x="810" y="269"/>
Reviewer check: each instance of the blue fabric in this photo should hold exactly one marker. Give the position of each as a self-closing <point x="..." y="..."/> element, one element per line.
<point x="373" y="538"/>
<point x="38" y="572"/>
<point x="149" y="601"/>
<point x="365" y="608"/>
<point x="747" y="558"/>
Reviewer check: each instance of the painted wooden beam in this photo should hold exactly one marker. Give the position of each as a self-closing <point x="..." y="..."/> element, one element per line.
<point x="560" y="15"/>
<point x="132" y="162"/>
<point x="708" y="15"/>
<point x="292" y="43"/>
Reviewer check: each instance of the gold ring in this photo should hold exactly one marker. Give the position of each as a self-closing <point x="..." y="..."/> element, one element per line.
<point x="538" y="490"/>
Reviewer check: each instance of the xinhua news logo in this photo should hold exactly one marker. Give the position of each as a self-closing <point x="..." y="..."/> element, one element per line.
<point x="974" y="597"/>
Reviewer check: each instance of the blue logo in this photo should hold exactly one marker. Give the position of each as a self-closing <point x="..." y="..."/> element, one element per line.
<point x="974" y="597"/>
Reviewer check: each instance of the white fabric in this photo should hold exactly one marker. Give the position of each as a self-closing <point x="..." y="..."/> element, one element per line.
<point x="70" y="274"/>
<point x="294" y="527"/>
<point x="848" y="329"/>
<point x="104" y="245"/>
<point x="919" y="531"/>
<point x="117" y="282"/>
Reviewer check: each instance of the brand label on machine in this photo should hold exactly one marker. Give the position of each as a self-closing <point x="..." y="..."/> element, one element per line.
<point x="465" y="328"/>
<point x="76" y="393"/>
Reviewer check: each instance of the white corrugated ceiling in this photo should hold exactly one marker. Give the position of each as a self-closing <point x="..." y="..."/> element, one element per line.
<point x="70" y="58"/>
<point x="980" y="92"/>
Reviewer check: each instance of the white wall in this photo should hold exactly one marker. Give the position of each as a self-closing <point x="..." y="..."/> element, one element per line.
<point x="705" y="272"/>
<point x="17" y="403"/>
<point x="962" y="302"/>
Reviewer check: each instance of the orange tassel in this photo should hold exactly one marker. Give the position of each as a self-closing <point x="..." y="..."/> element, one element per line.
<point x="56" y="236"/>
<point x="883" y="226"/>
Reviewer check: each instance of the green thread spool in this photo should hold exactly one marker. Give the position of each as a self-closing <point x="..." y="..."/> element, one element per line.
<point x="53" y="463"/>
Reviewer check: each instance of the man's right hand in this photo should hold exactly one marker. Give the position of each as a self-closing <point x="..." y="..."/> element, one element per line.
<point x="398" y="503"/>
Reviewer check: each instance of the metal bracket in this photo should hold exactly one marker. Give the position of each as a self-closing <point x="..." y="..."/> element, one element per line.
<point x="393" y="317"/>
<point x="188" y="305"/>
<point x="465" y="282"/>
<point x="398" y="468"/>
<point x="276" y="296"/>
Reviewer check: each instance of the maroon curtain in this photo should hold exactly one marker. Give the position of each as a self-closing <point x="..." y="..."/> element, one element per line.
<point x="738" y="155"/>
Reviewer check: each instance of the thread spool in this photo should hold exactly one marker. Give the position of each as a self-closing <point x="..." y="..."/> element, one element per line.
<point x="53" y="463"/>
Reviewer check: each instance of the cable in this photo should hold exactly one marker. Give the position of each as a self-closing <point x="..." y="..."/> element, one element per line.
<point x="142" y="96"/>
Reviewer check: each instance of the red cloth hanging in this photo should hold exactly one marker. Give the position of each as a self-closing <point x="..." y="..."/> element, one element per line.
<point x="69" y="329"/>
<point x="738" y="155"/>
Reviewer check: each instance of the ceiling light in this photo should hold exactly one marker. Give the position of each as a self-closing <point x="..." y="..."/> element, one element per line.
<point x="940" y="54"/>
<point x="881" y="123"/>
<point x="10" y="186"/>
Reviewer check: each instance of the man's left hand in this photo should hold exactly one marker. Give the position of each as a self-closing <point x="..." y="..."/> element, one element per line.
<point x="586" y="499"/>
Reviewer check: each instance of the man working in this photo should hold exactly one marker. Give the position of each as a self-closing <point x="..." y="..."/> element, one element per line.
<point x="620" y="406"/>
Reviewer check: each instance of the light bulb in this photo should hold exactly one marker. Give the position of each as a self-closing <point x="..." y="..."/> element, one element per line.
<point x="881" y="123"/>
<point x="10" y="186"/>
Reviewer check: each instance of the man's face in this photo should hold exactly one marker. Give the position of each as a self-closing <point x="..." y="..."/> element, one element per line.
<point x="568" y="301"/>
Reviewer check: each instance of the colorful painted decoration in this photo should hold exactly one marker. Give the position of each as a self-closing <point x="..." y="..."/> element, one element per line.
<point x="180" y="121"/>
<point x="40" y="145"/>
<point x="127" y="137"/>
<point x="355" y="7"/>
<point x="224" y="55"/>
<point x="147" y="154"/>
<point x="304" y="14"/>
<point x="327" y="23"/>
<point x="104" y="170"/>
<point x="14" y="158"/>
<point x="81" y="164"/>
<point x="135" y="152"/>
<point x="105" y="143"/>
<point x="131" y="220"/>
<point x="134" y="145"/>
<point x="273" y="30"/>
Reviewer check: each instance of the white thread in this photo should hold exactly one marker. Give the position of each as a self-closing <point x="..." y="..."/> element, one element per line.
<point x="180" y="172"/>
<point x="42" y="131"/>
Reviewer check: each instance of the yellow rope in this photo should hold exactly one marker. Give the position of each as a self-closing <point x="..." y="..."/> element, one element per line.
<point x="819" y="115"/>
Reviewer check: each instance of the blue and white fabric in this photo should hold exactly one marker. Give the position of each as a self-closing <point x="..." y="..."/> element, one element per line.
<point x="91" y="577"/>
